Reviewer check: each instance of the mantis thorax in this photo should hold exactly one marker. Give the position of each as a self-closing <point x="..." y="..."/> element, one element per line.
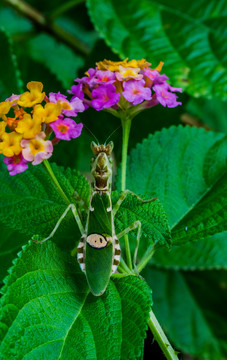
<point x="101" y="166"/>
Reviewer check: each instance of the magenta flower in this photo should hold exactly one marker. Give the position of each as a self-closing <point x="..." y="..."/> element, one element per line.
<point x="104" y="97"/>
<point x="65" y="129"/>
<point x="16" y="164"/>
<point x="165" y="97"/>
<point x="77" y="91"/>
<point x="87" y="79"/>
<point x="135" y="92"/>
<point x="155" y="77"/>
<point x="104" y="77"/>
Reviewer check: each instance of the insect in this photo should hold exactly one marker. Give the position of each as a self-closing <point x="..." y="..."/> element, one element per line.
<point x="98" y="252"/>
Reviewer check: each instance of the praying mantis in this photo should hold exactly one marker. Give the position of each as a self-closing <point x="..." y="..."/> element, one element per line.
<point x="98" y="252"/>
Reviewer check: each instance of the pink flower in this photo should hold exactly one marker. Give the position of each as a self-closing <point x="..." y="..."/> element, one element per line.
<point x="37" y="149"/>
<point x="104" y="77"/>
<point x="104" y="97"/>
<point x="135" y="92"/>
<point x="69" y="108"/>
<point x="15" y="164"/>
<point x="13" y="98"/>
<point x="165" y="97"/>
<point x="65" y="129"/>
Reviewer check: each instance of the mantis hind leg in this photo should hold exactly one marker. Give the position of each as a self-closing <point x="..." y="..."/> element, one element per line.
<point x="76" y="216"/>
<point x="133" y="226"/>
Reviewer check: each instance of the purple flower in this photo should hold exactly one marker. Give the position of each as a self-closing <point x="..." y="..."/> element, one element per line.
<point x="165" y="97"/>
<point x="65" y="129"/>
<point x="15" y="164"/>
<point x="135" y="92"/>
<point x="77" y="91"/>
<point x="155" y="77"/>
<point x="104" y="96"/>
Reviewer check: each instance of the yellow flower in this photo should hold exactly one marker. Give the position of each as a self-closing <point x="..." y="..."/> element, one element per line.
<point x="2" y="128"/>
<point x="10" y="144"/>
<point x="4" y="109"/>
<point x="32" y="97"/>
<point x="48" y="113"/>
<point x="28" y="127"/>
<point x="114" y="65"/>
<point x="159" y="67"/>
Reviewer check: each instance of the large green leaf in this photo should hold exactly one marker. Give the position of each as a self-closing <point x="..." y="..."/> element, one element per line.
<point x="185" y="168"/>
<point x="30" y="203"/>
<point x="209" y="253"/>
<point x="9" y="74"/>
<point x="212" y="113"/>
<point x="191" y="307"/>
<point x="47" y="311"/>
<point x="60" y="60"/>
<point x="189" y="37"/>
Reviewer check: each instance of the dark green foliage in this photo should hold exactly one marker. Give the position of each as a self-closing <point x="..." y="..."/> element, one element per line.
<point x="47" y="311"/>
<point x="9" y="74"/>
<point x="191" y="308"/>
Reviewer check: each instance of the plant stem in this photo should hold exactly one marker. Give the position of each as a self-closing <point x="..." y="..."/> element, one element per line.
<point x="46" y="25"/>
<point x="55" y="181"/>
<point x="126" y="126"/>
<point x="146" y="257"/>
<point x="161" y="338"/>
<point x="123" y="268"/>
<point x="65" y="7"/>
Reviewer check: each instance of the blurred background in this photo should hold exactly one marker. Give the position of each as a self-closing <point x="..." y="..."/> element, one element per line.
<point x="57" y="41"/>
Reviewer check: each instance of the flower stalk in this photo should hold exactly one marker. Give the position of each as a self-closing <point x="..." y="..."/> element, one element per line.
<point x="55" y="181"/>
<point x="161" y="338"/>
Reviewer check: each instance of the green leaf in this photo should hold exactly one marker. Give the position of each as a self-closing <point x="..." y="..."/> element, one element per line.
<point x="191" y="307"/>
<point x="47" y="311"/>
<point x="9" y="248"/>
<point x="209" y="253"/>
<point x="59" y="59"/>
<point x="155" y="227"/>
<point x="190" y="38"/>
<point x="30" y="203"/>
<point x="185" y="168"/>
<point x="212" y="113"/>
<point x="181" y="166"/>
<point x="9" y="74"/>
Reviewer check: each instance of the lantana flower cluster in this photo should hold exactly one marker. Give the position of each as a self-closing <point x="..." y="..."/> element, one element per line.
<point x="32" y="122"/>
<point x="125" y="84"/>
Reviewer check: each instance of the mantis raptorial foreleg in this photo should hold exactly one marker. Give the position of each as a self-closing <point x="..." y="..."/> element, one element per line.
<point x="76" y="216"/>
